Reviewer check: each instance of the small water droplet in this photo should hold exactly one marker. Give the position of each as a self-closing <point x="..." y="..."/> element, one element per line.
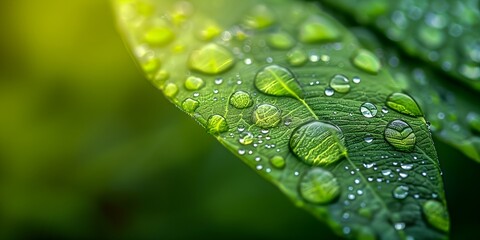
<point x="386" y="172"/>
<point x="248" y="61"/>
<point x="216" y="124"/>
<point x="241" y="151"/>
<point x="211" y="59"/>
<point x="190" y="105"/>
<point x="259" y="167"/>
<point x="297" y="57"/>
<point x="403" y="103"/>
<point x="318" y="143"/>
<point x="280" y="40"/>
<point x="318" y="29"/>
<point x="329" y="92"/>
<point x="430" y="37"/>
<point x="277" y="162"/>
<point x="400" y="192"/>
<point x="159" y="36"/>
<point x="400" y="135"/>
<point x="266" y="116"/>
<point x="368" y="110"/>
<point x="194" y="83"/>
<point x="356" y="79"/>
<point x="407" y="166"/>
<point x="319" y="186"/>
<point x="399" y="226"/>
<point x="259" y="17"/>
<point x="366" y="61"/>
<point x="246" y="138"/>
<point x="368" y="138"/>
<point x="241" y="99"/>
<point x="170" y="90"/>
<point x="340" y="83"/>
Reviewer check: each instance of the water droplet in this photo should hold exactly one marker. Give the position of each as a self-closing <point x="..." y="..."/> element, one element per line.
<point x="470" y="71"/>
<point x="277" y="162"/>
<point x="368" y="110"/>
<point x="266" y="116"/>
<point x="400" y="135"/>
<point x="403" y="103"/>
<point x="436" y="215"/>
<point x="386" y="172"/>
<point x="211" y="59"/>
<point x="297" y="57"/>
<point x="247" y="61"/>
<point x="246" y="138"/>
<point x="259" y="17"/>
<point x="318" y="29"/>
<point x="259" y="167"/>
<point x="170" y="90"/>
<point x="384" y="110"/>
<point x="329" y="92"/>
<point x="190" y="105"/>
<point x="340" y="83"/>
<point x="407" y="166"/>
<point x="159" y="36"/>
<point x="280" y="40"/>
<point x="241" y="151"/>
<point x="473" y="120"/>
<point x="209" y="30"/>
<point x="319" y="186"/>
<point x="400" y="192"/>
<point x="356" y="80"/>
<point x="431" y="37"/>
<point x="368" y="138"/>
<point x="278" y="81"/>
<point x="216" y="124"/>
<point x="241" y="99"/>
<point x="399" y="226"/>
<point x="367" y="61"/>
<point x="318" y="143"/>
<point x="194" y="83"/>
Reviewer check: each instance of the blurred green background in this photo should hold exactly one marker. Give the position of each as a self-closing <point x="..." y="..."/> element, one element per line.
<point x="89" y="149"/>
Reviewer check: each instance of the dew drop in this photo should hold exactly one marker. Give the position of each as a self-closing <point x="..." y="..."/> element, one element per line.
<point x="356" y="80"/>
<point x="159" y="36"/>
<point x="386" y="172"/>
<point x="209" y="30"/>
<point x="368" y="138"/>
<point x="246" y="138"/>
<point x="170" y="90"/>
<point x="403" y="103"/>
<point x="319" y="186"/>
<point x="366" y="61"/>
<point x="329" y="92"/>
<point x="400" y="135"/>
<point x="436" y="215"/>
<point x="277" y="162"/>
<point x="280" y="40"/>
<point x="241" y="99"/>
<point x="297" y="57"/>
<point x="407" y="166"/>
<point x="431" y="37"/>
<point x="318" y="143"/>
<point x="340" y="83"/>
<point x="399" y="226"/>
<point x="318" y="29"/>
<point x="471" y="71"/>
<point x="190" y="105"/>
<point x="194" y="83"/>
<point x="216" y="124"/>
<point x="211" y="59"/>
<point x="368" y="110"/>
<point x="266" y="116"/>
<point x="277" y="81"/>
<point x="259" y="17"/>
<point x="400" y="192"/>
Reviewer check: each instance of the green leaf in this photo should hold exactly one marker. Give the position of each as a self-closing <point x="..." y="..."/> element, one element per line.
<point x="452" y="111"/>
<point x="307" y="111"/>
<point x="443" y="33"/>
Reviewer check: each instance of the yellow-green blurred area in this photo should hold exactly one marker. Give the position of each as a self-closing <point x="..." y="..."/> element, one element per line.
<point x="89" y="149"/>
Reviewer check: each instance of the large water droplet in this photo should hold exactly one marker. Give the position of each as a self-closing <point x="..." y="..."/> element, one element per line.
<point x="340" y="83"/>
<point x="241" y="99"/>
<point x="400" y="135"/>
<point x="246" y="138"/>
<point x="436" y="215"/>
<point x="318" y="29"/>
<point x="403" y="103"/>
<point x="367" y="61"/>
<point x="400" y="192"/>
<point x="194" y="83"/>
<point x="216" y="124"/>
<point x="280" y="40"/>
<point x="297" y="57"/>
<point x="190" y="105"/>
<point x="318" y="143"/>
<point x="277" y="162"/>
<point x="259" y="17"/>
<point x="319" y="186"/>
<point x="266" y="116"/>
<point x="368" y="110"/>
<point x="278" y="81"/>
<point x="170" y="90"/>
<point x="211" y="59"/>
<point x="159" y="36"/>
